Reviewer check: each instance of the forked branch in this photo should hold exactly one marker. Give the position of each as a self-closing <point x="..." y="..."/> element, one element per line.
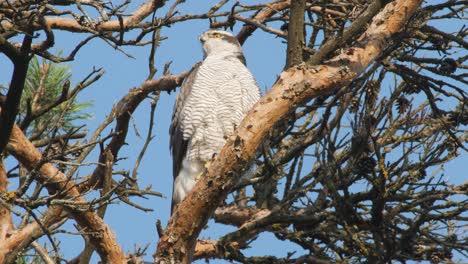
<point x="294" y="87"/>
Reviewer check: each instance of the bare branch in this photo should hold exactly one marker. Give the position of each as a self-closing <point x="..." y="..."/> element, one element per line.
<point x="295" y="86"/>
<point x="55" y="181"/>
<point x="295" y="34"/>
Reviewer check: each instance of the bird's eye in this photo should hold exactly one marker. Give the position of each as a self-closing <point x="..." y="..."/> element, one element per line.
<point x="216" y="35"/>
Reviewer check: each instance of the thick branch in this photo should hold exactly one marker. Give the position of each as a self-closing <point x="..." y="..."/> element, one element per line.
<point x="294" y="87"/>
<point x="9" y="50"/>
<point x="55" y="181"/>
<point x="5" y="217"/>
<point x="295" y="33"/>
<point x="359" y="25"/>
<point x="263" y="15"/>
<point x="22" y="238"/>
<point x="10" y="108"/>
<point x="72" y="25"/>
<point x="122" y="113"/>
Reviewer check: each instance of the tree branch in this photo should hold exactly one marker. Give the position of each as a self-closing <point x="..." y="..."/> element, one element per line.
<point x="359" y="25"/>
<point x="122" y="113"/>
<point x="8" y="49"/>
<point x="295" y="33"/>
<point x="72" y="25"/>
<point x="23" y="237"/>
<point x="55" y="181"/>
<point x="10" y="108"/>
<point x="55" y="214"/>
<point x="293" y="88"/>
<point x="263" y="15"/>
<point x="5" y="217"/>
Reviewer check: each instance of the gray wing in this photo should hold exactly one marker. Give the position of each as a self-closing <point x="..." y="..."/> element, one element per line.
<point x="178" y="145"/>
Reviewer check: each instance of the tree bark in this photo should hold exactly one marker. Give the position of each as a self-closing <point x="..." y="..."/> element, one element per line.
<point x="248" y="29"/>
<point x="295" y="33"/>
<point x="20" y="59"/>
<point x="293" y="88"/>
<point x="5" y="217"/>
<point x="54" y="214"/>
<point x="55" y="181"/>
<point x="72" y="25"/>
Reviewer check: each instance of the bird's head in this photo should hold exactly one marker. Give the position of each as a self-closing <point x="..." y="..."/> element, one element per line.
<point x="219" y="41"/>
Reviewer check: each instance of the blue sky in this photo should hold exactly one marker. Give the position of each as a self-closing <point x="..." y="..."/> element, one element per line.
<point x="265" y="58"/>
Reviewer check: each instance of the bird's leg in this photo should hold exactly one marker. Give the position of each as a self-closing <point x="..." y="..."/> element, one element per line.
<point x="207" y="164"/>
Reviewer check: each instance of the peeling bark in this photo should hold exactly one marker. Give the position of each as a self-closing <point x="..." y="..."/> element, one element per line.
<point x="55" y="181"/>
<point x="23" y="237"/>
<point x="5" y="217"/>
<point x="294" y="87"/>
<point x="295" y="33"/>
<point x="72" y="25"/>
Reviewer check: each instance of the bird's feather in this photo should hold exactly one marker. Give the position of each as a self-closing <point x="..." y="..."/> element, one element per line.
<point x="177" y="144"/>
<point x="213" y="100"/>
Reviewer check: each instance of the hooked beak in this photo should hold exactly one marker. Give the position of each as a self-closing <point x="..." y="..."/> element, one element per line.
<point x="202" y="38"/>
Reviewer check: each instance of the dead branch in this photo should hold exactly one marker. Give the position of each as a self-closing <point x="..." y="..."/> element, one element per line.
<point x="295" y="86"/>
<point x="56" y="182"/>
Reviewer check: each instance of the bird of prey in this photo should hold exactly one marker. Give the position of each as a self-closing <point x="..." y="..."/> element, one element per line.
<point x="213" y="100"/>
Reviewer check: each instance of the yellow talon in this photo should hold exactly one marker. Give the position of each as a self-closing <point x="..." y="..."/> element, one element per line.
<point x="198" y="176"/>
<point x="207" y="165"/>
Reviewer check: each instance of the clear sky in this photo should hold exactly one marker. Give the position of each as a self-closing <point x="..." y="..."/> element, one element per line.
<point x="265" y="58"/>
